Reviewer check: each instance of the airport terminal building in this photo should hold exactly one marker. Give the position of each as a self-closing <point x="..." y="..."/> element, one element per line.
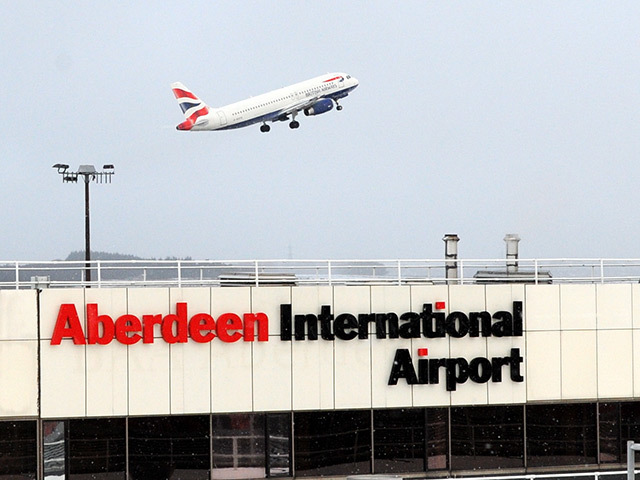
<point x="326" y="369"/>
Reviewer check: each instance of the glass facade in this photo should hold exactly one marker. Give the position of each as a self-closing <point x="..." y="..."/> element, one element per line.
<point x="332" y="443"/>
<point x="437" y="438"/>
<point x="169" y="447"/>
<point x="18" y="449"/>
<point x="314" y="443"/>
<point x="561" y="434"/>
<point x="487" y="437"/>
<point x="399" y="439"/>
<point x="619" y="423"/>
<point x="97" y="447"/>
<point x="251" y="445"/>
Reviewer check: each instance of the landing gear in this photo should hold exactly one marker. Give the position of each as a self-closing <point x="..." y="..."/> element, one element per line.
<point x="294" y="124"/>
<point x="264" y="128"/>
<point x="338" y="106"/>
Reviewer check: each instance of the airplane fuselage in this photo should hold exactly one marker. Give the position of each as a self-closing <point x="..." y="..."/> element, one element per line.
<point x="313" y="97"/>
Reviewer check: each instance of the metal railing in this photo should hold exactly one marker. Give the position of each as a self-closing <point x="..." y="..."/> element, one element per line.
<point x="185" y="273"/>
<point x="592" y="475"/>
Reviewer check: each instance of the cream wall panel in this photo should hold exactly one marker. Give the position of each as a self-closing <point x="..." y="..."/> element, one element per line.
<point x="501" y="297"/>
<point x="267" y="300"/>
<point x="18" y="378"/>
<point x="389" y="300"/>
<point x="468" y="393"/>
<point x="50" y="301"/>
<point x="231" y="381"/>
<point x="272" y="359"/>
<point x="635" y="338"/>
<point x="149" y="301"/>
<point x="352" y="357"/>
<point x="312" y="375"/>
<point x="466" y="298"/>
<point x="431" y="394"/>
<point x="111" y="301"/>
<point x="543" y="362"/>
<point x="425" y="395"/>
<point x="615" y="363"/>
<point x="354" y="300"/>
<point x="18" y="315"/>
<point x="542" y="308"/>
<point x="107" y="369"/>
<point x="309" y="300"/>
<point x="198" y="300"/>
<point x="312" y="383"/>
<point x="63" y="379"/>
<point x="385" y="299"/>
<point x="230" y="300"/>
<point x="352" y="373"/>
<point x="421" y="294"/>
<point x="635" y="302"/>
<point x="507" y="391"/>
<point x="107" y="379"/>
<point x="141" y="379"/>
<point x="577" y="307"/>
<point x="579" y="367"/>
<point x="272" y="375"/>
<point x="143" y="301"/>
<point x="191" y="362"/>
<point x="149" y="377"/>
<point x="382" y="355"/>
<point x="190" y="377"/>
<point x="614" y="306"/>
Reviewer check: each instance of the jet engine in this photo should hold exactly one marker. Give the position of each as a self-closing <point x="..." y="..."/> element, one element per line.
<point x="321" y="106"/>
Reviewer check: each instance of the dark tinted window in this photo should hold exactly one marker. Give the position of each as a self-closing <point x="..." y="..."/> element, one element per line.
<point x="18" y="451"/>
<point x="54" y="448"/>
<point x="97" y="446"/>
<point x="169" y="447"/>
<point x="399" y="440"/>
<point x="619" y="422"/>
<point x="437" y="438"/>
<point x="561" y="434"/>
<point x="239" y="446"/>
<point x="332" y="443"/>
<point x="610" y="441"/>
<point x="487" y="437"/>
<point x="278" y="444"/>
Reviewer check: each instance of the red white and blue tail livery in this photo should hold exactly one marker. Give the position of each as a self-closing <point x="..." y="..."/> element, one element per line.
<point x="313" y="97"/>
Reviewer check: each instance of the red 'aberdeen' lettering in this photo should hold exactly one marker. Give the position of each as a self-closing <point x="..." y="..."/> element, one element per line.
<point x="68" y="326"/>
<point x="174" y="327"/>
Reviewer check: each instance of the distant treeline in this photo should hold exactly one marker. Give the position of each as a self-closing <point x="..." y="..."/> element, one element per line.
<point x="128" y="268"/>
<point x="114" y="270"/>
<point x="78" y="256"/>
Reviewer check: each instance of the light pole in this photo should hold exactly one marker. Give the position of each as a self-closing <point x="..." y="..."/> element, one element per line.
<point x="89" y="174"/>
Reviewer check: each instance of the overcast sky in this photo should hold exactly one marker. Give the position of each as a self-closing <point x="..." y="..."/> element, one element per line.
<point x="476" y="118"/>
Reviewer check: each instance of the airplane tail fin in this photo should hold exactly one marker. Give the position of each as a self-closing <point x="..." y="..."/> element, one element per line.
<point x="191" y="105"/>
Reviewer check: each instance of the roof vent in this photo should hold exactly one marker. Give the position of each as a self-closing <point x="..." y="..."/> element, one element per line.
<point x="512" y="273"/>
<point x="451" y="256"/>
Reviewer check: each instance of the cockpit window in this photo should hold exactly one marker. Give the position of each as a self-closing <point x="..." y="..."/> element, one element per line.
<point x="348" y="77"/>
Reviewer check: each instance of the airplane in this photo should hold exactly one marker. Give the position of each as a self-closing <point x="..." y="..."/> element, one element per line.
<point x="312" y="97"/>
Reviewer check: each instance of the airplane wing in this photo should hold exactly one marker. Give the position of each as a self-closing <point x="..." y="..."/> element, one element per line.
<point x="296" y="107"/>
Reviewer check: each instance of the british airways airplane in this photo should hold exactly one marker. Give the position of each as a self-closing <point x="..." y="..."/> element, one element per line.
<point x="312" y="97"/>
